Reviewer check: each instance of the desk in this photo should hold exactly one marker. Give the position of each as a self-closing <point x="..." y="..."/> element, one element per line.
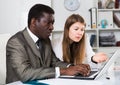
<point x="114" y="76"/>
<point x="114" y="80"/>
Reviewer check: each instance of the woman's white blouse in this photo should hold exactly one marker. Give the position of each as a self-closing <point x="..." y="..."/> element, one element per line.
<point x="57" y="48"/>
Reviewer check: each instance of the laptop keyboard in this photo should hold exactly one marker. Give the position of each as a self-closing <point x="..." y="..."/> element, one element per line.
<point x="91" y="73"/>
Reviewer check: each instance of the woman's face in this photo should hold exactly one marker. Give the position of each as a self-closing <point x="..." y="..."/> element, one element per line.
<point x="76" y="31"/>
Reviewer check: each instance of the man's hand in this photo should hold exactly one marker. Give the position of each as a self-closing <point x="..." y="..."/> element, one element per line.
<point x="83" y="69"/>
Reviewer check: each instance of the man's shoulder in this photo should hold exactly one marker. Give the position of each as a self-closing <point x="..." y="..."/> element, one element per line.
<point x="17" y="36"/>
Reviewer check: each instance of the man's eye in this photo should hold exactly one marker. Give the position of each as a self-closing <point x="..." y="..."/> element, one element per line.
<point x="45" y="21"/>
<point x="51" y="22"/>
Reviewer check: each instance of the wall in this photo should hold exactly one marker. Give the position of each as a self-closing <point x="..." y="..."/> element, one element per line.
<point x="61" y="13"/>
<point x="13" y="14"/>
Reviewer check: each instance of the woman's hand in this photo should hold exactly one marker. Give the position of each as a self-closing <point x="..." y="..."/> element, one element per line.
<point x="100" y="57"/>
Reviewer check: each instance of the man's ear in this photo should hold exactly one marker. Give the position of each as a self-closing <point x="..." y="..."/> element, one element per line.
<point x="33" y="22"/>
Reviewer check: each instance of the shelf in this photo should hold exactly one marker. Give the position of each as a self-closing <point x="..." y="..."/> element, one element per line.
<point x="109" y="29"/>
<point x="95" y="29"/>
<point x="94" y="48"/>
<point x="109" y="47"/>
<point x="102" y="10"/>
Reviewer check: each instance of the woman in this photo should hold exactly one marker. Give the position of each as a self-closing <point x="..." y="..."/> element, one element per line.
<point x="74" y="46"/>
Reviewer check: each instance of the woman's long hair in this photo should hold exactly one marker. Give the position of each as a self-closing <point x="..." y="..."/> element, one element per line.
<point x="75" y="52"/>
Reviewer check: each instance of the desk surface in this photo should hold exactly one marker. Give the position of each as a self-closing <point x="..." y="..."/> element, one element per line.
<point x="114" y="76"/>
<point x="114" y="80"/>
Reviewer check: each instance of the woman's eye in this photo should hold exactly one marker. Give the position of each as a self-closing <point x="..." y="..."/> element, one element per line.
<point x="82" y="29"/>
<point x="76" y="29"/>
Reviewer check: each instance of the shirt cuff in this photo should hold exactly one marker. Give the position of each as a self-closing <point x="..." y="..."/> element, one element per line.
<point x="93" y="60"/>
<point x="57" y="71"/>
<point x="70" y="65"/>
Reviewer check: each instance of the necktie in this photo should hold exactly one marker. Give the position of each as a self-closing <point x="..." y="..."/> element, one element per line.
<point x="41" y="47"/>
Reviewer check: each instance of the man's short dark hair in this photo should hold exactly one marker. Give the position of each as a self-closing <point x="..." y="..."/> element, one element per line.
<point x="37" y="10"/>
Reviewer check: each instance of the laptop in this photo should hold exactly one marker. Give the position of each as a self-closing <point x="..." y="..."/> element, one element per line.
<point x="96" y="74"/>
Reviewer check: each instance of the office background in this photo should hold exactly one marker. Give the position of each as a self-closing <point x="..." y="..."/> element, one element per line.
<point x="13" y="17"/>
<point x="13" y="13"/>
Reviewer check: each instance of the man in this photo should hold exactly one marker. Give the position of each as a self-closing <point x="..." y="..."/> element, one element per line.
<point x="26" y="61"/>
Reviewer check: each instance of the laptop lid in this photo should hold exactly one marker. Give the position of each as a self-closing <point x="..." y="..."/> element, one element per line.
<point x="108" y="63"/>
<point x="97" y="74"/>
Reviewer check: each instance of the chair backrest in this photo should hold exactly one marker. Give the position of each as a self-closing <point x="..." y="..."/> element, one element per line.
<point x="3" y="41"/>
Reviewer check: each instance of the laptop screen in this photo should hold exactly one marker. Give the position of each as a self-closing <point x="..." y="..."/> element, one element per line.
<point x="101" y="71"/>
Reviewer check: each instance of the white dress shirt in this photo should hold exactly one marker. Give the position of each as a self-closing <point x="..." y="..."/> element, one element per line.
<point x="35" y="38"/>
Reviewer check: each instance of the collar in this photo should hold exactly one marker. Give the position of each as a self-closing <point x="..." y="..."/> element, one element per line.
<point x="34" y="37"/>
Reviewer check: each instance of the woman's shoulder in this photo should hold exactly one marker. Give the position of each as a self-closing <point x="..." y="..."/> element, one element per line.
<point x="57" y="40"/>
<point x="57" y="46"/>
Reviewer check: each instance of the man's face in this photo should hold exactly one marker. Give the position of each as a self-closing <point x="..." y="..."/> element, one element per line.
<point x="44" y="26"/>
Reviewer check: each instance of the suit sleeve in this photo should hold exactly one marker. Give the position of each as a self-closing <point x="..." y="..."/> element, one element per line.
<point x="18" y="59"/>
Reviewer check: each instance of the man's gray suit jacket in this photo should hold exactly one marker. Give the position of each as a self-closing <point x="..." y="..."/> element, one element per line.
<point x="24" y="62"/>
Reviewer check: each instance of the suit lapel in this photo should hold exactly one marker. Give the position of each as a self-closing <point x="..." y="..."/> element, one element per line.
<point x="47" y="51"/>
<point x="32" y="44"/>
